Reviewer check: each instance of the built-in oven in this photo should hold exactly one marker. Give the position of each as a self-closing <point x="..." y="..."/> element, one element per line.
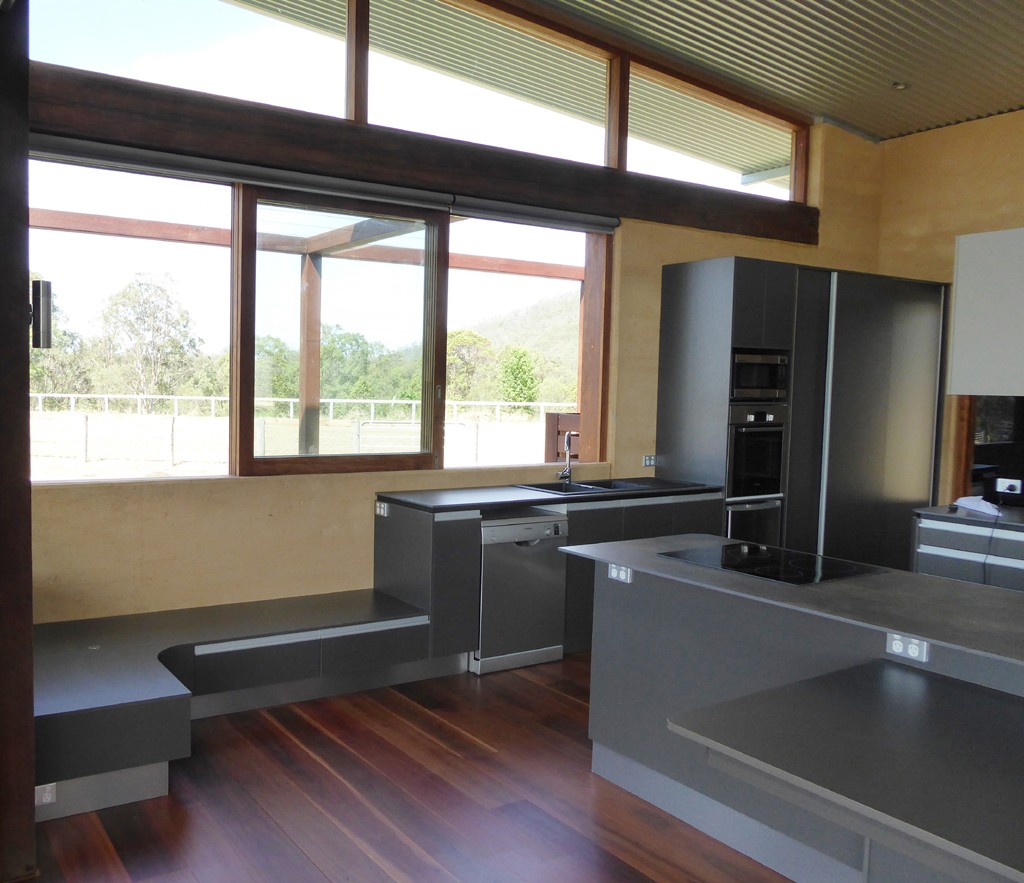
<point x="759" y="375"/>
<point x="756" y="473"/>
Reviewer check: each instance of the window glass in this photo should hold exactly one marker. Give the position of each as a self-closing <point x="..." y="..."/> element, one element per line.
<point x="282" y="52"/>
<point x="441" y="70"/>
<point x="136" y="381"/>
<point x="513" y="339"/>
<point x="340" y="308"/>
<point x="673" y="134"/>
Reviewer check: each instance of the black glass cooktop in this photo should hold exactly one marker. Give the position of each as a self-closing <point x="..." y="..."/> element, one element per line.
<point x="769" y="562"/>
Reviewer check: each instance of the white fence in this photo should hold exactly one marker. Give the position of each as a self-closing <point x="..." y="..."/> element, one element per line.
<point x="119" y="436"/>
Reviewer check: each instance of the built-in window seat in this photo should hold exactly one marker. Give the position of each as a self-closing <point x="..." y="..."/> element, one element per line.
<point x="114" y="697"/>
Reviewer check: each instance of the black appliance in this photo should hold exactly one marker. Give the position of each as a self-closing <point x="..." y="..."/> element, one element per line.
<point x="757" y="450"/>
<point x="756" y="473"/>
<point x="759" y="375"/>
<point x="772" y="563"/>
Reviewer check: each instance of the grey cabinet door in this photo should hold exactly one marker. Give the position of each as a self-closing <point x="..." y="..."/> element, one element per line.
<point x="699" y="516"/>
<point x="374" y="650"/>
<point x="809" y="368"/>
<point x="650" y="519"/>
<point x="255" y="666"/>
<point x="764" y="299"/>
<point x="881" y="435"/>
<point x="589" y="525"/>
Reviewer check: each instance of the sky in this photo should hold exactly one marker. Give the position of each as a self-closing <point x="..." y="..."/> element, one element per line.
<point x="214" y="46"/>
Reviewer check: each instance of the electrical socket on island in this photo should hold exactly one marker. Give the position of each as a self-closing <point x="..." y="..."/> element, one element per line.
<point x="46" y="794"/>
<point x="908" y="648"/>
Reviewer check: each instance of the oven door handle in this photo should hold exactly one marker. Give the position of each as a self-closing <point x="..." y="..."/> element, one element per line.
<point x="774" y="427"/>
<point x="753" y="507"/>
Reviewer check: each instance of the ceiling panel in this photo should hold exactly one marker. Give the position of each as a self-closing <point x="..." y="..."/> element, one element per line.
<point x="839" y="59"/>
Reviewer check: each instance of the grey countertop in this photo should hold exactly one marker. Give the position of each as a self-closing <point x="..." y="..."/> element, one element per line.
<point x="485" y="498"/>
<point x="877" y="737"/>
<point x="1009" y="517"/>
<point x="979" y="618"/>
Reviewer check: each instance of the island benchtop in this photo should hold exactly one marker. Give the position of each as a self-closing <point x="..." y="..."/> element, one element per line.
<point x="981" y="619"/>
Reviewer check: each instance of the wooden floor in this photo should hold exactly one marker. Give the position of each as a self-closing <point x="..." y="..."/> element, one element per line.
<point x="460" y="778"/>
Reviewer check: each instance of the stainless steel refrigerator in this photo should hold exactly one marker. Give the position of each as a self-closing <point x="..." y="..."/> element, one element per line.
<point x="865" y="413"/>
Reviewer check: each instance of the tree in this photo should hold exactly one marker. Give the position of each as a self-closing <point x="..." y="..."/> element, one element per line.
<point x="470" y="361"/>
<point x="345" y="359"/>
<point x="148" y="336"/>
<point x="518" y="376"/>
<point x="277" y="371"/>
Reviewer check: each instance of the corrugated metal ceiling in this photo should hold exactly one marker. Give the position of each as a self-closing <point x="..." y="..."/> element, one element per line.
<point x="834" y="59"/>
<point x="839" y="59"/>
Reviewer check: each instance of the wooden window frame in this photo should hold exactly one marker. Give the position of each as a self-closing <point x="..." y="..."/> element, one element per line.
<point x="242" y="459"/>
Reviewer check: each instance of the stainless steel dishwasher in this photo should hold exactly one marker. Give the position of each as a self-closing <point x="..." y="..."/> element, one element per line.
<point x="522" y="590"/>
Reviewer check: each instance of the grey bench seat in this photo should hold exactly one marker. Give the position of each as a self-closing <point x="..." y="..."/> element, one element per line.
<point x="118" y="693"/>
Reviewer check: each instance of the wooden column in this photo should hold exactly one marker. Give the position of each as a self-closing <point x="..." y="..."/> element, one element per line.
<point x="309" y="355"/>
<point x="17" y="721"/>
<point x="617" y="114"/>
<point x="357" y="55"/>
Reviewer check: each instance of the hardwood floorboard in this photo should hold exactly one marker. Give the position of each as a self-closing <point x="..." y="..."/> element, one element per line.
<point x="458" y="778"/>
<point x="333" y="852"/>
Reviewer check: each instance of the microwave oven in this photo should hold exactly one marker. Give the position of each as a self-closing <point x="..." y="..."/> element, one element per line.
<point x="759" y="376"/>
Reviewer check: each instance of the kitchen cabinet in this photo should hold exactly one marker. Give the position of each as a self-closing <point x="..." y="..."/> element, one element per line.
<point x="763" y="304"/>
<point x="742" y="705"/>
<point x="624" y="520"/>
<point x="432" y="560"/>
<point x="708" y="308"/>
<point x="988" y="314"/>
<point x="971" y="546"/>
<point x="427" y="548"/>
<point x="858" y="430"/>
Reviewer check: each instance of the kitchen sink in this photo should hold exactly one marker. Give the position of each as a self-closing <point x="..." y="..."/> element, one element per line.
<point x="564" y="487"/>
<point x="620" y="484"/>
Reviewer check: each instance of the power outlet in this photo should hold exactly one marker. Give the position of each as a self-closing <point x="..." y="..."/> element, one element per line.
<point x="380" y="509"/>
<point x="908" y="648"/>
<point x="649" y="460"/>
<point x="620" y="572"/>
<point x="1008" y="485"/>
<point x="46" y="794"/>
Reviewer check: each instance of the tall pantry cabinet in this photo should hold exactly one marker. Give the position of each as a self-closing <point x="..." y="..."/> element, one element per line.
<point x="863" y="403"/>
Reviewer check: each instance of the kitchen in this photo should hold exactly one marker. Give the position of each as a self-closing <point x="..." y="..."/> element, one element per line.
<point x="888" y="208"/>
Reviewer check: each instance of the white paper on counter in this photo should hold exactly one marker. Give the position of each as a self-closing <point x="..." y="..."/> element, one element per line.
<point x="979" y="505"/>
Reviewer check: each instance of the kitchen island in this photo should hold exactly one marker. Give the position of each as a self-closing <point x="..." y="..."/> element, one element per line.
<point x="771" y="716"/>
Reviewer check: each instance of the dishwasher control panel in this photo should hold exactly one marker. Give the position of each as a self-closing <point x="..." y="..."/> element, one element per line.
<point x="523" y="530"/>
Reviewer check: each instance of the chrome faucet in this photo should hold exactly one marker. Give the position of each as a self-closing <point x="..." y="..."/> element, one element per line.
<point x="567" y="472"/>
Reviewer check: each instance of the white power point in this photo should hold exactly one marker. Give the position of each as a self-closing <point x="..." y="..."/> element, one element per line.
<point x="380" y="509"/>
<point x="649" y="460"/>
<point x="620" y="572"/>
<point x="909" y="648"/>
<point x="1008" y="485"/>
<point x="46" y="794"/>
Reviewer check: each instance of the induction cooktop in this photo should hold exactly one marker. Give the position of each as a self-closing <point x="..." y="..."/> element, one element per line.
<point x="769" y="562"/>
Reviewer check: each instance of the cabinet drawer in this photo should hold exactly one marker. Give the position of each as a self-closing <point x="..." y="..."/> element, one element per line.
<point x="1008" y="544"/>
<point x="355" y="648"/>
<point x="1007" y="573"/>
<point x="947" y="535"/>
<point x="235" y="665"/>
<point x="951" y="563"/>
